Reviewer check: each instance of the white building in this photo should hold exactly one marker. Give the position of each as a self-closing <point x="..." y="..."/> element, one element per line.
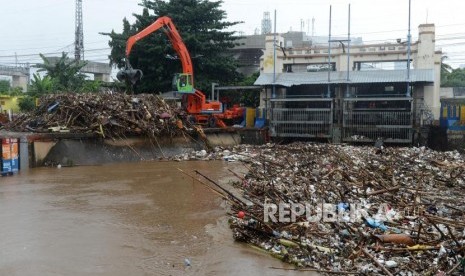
<point x="365" y="94"/>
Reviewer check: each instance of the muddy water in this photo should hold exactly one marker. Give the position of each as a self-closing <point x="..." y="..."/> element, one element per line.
<point x="121" y="219"/>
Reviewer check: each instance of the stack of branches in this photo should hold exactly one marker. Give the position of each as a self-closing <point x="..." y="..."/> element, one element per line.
<point x="108" y="115"/>
<point x="396" y="211"/>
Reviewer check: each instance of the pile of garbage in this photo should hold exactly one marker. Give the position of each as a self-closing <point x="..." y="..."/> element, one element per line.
<point x="217" y="153"/>
<point x="108" y="115"/>
<point x="354" y="210"/>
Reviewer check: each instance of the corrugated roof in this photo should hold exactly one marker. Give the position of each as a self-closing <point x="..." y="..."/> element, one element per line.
<point x="340" y="77"/>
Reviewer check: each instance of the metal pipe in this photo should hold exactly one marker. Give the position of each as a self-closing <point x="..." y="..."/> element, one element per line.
<point x="329" y="54"/>
<point x="213" y="90"/>
<point x="348" y="56"/>
<point x="274" y="58"/>
<point x="409" y="42"/>
<point x="348" y="48"/>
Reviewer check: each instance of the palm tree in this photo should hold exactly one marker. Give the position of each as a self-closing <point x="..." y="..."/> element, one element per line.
<point x="446" y="70"/>
<point x="42" y="85"/>
<point x="64" y="72"/>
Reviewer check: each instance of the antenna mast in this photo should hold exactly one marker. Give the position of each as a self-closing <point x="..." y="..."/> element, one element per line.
<point x="266" y="23"/>
<point x="79" y="33"/>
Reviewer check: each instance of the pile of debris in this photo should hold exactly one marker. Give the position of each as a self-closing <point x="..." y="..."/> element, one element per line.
<point x="108" y="115"/>
<point x="217" y="153"/>
<point x="354" y="210"/>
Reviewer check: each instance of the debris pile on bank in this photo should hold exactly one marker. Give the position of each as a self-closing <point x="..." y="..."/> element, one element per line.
<point x="413" y="198"/>
<point x="109" y="115"/>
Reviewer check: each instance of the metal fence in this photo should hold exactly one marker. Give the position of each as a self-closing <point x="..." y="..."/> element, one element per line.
<point x="308" y="118"/>
<point x="392" y="123"/>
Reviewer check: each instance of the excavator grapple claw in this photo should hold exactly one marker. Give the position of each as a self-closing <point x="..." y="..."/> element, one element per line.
<point x="131" y="76"/>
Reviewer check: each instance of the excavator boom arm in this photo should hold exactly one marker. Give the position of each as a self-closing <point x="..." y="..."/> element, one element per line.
<point x="170" y="30"/>
<point x="196" y="102"/>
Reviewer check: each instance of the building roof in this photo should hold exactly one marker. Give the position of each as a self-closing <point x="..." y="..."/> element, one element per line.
<point x="340" y="77"/>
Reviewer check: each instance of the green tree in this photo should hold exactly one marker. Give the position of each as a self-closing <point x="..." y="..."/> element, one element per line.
<point x="91" y="86"/>
<point x="41" y="85"/>
<point x="446" y="69"/>
<point x="246" y="97"/>
<point x="64" y="72"/>
<point x="26" y="103"/>
<point x="202" y="26"/>
<point x="4" y="86"/>
<point x="453" y="78"/>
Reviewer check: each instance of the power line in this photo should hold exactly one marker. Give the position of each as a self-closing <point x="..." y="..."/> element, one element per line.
<point x="53" y="53"/>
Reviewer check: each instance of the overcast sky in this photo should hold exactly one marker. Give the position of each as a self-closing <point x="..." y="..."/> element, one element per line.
<point x="29" y="27"/>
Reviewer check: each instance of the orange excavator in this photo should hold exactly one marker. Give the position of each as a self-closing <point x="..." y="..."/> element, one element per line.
<point x="200" y="110"/>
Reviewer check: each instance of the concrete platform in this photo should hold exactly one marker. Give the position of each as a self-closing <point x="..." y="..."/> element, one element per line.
<point x="69" y="149"/>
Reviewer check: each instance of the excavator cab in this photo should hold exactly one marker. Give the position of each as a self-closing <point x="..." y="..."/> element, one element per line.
<point x="182" y="83"/>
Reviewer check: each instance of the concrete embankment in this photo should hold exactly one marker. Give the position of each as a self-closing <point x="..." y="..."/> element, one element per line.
<point x="70" y="149"/>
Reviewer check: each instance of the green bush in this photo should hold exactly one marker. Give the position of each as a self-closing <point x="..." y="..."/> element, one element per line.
<point x="26" y="104"/>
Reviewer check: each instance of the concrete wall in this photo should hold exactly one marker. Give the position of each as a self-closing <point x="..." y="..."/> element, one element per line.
<point x="446" y="92"/>
<point x="41" y="150"/>
<point x="427" y="58"/>
<point x="21" y="82"/>
<point x="19" y="74"/>
<point x="267" y="64"/>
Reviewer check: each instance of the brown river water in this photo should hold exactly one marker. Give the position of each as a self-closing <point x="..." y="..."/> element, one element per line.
<point x="122" y="219"/>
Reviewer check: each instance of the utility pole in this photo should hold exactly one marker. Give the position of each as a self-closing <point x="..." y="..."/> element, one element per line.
<point x="79" y="33"/>
<point x="328" y="94"/>
<point x="273" y="93"/>
<point x="409" y="51"/>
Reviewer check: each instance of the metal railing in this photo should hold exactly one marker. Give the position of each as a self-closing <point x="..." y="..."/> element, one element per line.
<point x="393" y="125"/>
<point x="291" y="118"/>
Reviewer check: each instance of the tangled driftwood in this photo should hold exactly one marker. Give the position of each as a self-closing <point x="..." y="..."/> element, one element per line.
<point x="420" y="231"/>
<point x="108" y="115"/>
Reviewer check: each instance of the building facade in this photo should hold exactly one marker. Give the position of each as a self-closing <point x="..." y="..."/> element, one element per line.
<point x="356" y="93"/>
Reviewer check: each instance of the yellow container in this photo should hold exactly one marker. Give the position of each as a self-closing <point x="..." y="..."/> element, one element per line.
<point x="250" y="117"/>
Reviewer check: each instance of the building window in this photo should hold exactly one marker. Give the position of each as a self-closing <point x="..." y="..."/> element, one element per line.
<point x="288" y="68"/>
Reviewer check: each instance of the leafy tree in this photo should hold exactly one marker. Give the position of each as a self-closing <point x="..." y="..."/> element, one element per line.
<point x="250" y="98"/>
<point x="4" y="85"/>
<point x="42" y="85"/>
<point x="64" y="72"/>
<point x="91" y="86"/>
<point x="16" y="91"/>
<point x="453" y="78"/>
<point x="26" y="103"/>
<point x="446" y="69"/>
<point x="246" y="97"/>
<point x="202" y="26"/>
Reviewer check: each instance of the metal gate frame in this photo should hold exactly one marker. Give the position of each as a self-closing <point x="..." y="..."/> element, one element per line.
<point x="301" y="122"/>
<point x="394" y="125"/>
